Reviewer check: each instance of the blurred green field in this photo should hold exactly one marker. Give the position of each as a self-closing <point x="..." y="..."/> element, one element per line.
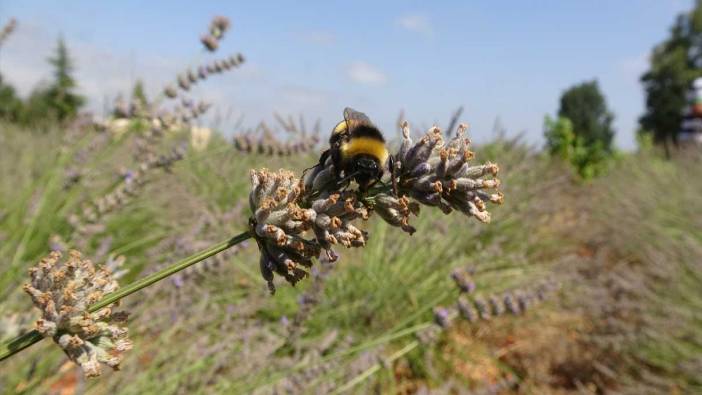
<point x="626" y="250"/>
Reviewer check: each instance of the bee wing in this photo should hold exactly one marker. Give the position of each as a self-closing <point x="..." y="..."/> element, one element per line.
<point x="353" y="117"/>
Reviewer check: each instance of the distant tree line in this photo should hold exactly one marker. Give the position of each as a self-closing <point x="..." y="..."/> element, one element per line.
<point x="674" y="64"/>
<point x="56" y="101"/>
<point x="582" y="133"/>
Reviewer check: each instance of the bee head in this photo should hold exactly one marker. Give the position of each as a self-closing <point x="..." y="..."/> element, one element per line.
<point x="367" y="163"/>
<point x="366" y="169"/>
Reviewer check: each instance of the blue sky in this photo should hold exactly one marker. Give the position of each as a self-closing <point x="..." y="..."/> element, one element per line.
<point x="506" y="59"/>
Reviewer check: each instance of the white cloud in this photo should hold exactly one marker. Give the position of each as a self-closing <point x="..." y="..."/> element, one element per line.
<point x="416" y="23"/>
<point x="364" y="73"/>
<point x="103" y="72"/>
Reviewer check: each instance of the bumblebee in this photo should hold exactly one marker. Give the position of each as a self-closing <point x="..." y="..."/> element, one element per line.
<point x="357" y="150"/>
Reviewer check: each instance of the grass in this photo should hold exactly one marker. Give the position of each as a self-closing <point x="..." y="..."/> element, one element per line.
<point x="376" y="303"/>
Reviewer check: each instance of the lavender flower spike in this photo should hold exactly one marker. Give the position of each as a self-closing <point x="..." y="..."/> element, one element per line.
<point x="438" y="174"/>
<point x="63" y="290"/>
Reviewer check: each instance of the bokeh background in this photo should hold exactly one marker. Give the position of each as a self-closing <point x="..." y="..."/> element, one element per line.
<point x="505" y="60"/>
<point x="122" y="135"/>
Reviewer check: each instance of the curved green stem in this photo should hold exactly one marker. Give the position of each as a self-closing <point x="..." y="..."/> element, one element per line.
<point x="18" y="344"/>
<point x="376" y="367"/>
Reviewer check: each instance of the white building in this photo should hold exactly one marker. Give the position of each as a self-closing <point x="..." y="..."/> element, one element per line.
<point x="691" y="128"/>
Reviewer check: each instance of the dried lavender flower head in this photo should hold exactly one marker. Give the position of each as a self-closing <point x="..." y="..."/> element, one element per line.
<point x="277" y="224"/>
<point x="170" y="91"/>
<point x="210" y="42"/>
<point x="63" y="289"/>
<point x="7" y="30"/>
<point x="219" y="25"/>
<point x="289" y="235"/>
<point x="440" y="175"/>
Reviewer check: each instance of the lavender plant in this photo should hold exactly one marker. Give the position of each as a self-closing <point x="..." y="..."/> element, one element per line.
<point x="515" y="302"/>
<point x="189" y="77"/>
<point x="267" y="143"/>
<point x="151" y="120"/>
<point x="294" y="221"/>
<point x="157" y="119"/>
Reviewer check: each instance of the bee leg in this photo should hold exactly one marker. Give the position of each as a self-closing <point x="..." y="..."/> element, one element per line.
<point x="322" y="159"/>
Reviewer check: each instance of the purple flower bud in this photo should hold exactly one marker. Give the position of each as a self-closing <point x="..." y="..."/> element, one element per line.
<point x="495" y="306"/>
<point x="210" y="42"/>
<point x="183" y="82"/>
<point x="219" y="25"/>
<point x="421" y="169"/>
<point x="128" y="176"/>
<point x="523" y="302"/>
<point x="482" y="307"/>
<point x="463" y="281"/>
<point x="466" y="310"/>
<point x="170" y="91"/>
<point x="178" y="281"/>
<point x="442" y="317"/>
<point x="192" y="77"/>
<point x="510" y="304"/>
<point x="202" y="72"/>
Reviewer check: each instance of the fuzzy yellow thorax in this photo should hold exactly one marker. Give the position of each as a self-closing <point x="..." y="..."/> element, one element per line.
<point x="365" y="145"/>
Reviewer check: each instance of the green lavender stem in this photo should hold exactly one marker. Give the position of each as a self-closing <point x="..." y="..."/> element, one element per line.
<point x="376" y="367"/>
<point x="18" y="344"/>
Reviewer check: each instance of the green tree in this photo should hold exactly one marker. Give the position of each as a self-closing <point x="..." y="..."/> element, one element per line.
<point x="585" y="106"/>
<point x="560" y="138"/>
<point x="37" y="107"/>
<point x="10" y="104"/>
<point x="582" y="134"/>
<point x="61" y="97"/>
<point x="675" y="63"/>
<point x="589" y="159"/>
<point x="139" y="95"/>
